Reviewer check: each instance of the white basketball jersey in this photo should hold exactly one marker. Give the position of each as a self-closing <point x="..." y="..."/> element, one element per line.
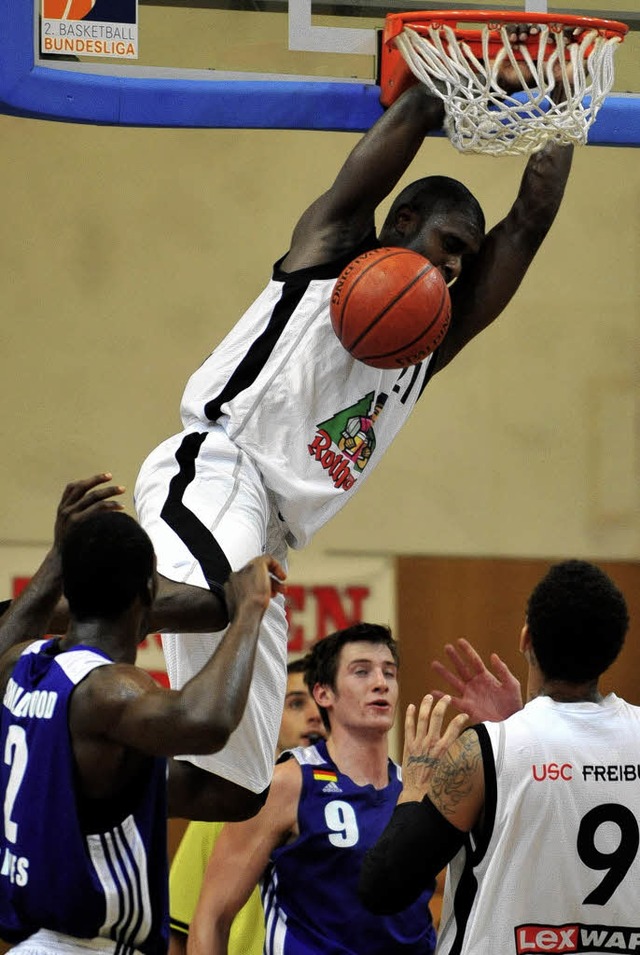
<point x="315" y="421"/>
<point x="557" y="868"/>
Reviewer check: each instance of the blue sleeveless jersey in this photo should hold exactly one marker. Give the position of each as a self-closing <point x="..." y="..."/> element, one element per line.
<point x="309" y="889"/>
<point x="111" y="883"/>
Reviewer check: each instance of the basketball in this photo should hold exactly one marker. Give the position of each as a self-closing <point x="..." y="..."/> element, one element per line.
<point x="67" y="9"/>
<point x="390" y="308"/>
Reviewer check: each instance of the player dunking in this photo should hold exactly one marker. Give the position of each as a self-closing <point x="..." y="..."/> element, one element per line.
<point x="258" y="466"/>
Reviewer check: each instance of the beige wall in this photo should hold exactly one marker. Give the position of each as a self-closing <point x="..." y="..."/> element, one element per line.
<point x="128" y="253"/>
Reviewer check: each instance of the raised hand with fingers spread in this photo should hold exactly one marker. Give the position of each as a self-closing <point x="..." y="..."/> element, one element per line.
<point x="425" y="744"/>
<point x="481" y="693"/>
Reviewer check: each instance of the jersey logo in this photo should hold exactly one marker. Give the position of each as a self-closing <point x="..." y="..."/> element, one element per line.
<point x="345" y="443"/>
<point x="331" y="788"/>
<point x="536" y="939"/>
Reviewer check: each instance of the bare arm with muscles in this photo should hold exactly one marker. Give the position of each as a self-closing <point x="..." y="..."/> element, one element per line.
<point x="344" y="215"/>
<point x="120" y="707"/>
<point x="491" y="278"/>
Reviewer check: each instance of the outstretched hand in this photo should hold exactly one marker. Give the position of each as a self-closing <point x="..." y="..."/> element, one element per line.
<point x="83" y="498"/>
<point x="480" y="693"/>
<point x="425" y="744"/>
<point x="257" y="582"/>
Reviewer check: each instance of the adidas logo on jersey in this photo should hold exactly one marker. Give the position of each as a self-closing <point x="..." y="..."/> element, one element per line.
<point x="331" y="788"/>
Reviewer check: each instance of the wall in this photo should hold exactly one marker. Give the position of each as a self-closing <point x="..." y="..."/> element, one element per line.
<point x="129" y="253"/>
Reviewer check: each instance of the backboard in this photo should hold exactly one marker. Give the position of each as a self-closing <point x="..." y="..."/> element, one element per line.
<point x="238" y="63"/>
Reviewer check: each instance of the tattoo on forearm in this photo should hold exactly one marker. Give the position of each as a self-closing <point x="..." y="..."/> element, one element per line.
<point x="454" y="777"/>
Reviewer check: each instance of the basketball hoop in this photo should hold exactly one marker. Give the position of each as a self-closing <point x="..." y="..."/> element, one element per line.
<point x="570" y="57"/>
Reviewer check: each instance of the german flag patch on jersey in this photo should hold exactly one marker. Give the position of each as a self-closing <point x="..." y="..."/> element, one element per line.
<point x="325" y="775"/>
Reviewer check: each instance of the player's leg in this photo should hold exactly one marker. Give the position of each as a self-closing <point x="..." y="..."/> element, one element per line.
<point x="207" y="512"/>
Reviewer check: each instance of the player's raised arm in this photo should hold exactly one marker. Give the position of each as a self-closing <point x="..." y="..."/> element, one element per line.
<point x="29" y="616"/>
<point x="123" y="705"/>
<point x="490" y="279"/>
<point x="344" y="215"/>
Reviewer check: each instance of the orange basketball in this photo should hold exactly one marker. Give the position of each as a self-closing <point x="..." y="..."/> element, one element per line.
<point x="66" y="9"/>
<point x="390" y="308"/>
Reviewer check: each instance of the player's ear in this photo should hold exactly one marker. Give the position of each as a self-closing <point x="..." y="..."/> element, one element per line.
<point x="322" y="694"/>
<point x="405" y="221"/>
<point x="525" y="639"/>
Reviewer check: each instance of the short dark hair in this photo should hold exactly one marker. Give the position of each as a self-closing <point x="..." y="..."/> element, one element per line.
<point x="322" y="660"/>
<point x="107" y="561"/>
<point x="428" y="195"/>
<point x="299" y="665"/>
<point x="577" y="620"/>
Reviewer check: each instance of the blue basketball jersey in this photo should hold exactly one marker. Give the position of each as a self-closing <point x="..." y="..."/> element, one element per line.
<point x="309" y="889"/>
<point x="54" y="875"/>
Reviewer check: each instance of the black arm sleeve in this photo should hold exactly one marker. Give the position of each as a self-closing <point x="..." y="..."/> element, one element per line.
<point x="416" y="845"/>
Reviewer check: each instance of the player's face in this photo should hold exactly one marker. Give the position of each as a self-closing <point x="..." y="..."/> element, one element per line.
<point x="366" y="692"/>
<point x="301" y="723"/>
<point x="444" y="238"/>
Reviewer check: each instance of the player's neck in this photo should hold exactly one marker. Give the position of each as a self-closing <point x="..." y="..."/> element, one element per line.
<point x="106" y="636"/>
<point x="363" y="757"/>
<point x="560" y="690"/>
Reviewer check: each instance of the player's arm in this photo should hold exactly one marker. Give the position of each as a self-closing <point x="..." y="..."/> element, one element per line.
<point x="184" y="608"/>
<point x="28" y="616"/>
<point x="123" y="705"/>
<point x="176" y="608"/>
<point x="441" y="800"/>
<point x="344" y="215"/>
<point x="490" y="279"/>
<point x="239" y="858"/>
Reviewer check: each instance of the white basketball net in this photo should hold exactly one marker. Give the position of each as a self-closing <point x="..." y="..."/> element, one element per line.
<point x="482" y="117"/>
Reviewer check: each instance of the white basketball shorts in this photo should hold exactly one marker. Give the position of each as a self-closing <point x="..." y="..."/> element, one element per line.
<point x="204" y="505"/>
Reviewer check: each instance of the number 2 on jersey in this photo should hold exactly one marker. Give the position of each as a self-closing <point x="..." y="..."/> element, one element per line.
<point x="15" y="755"/>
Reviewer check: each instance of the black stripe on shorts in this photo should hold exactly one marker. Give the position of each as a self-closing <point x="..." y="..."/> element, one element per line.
<point x="189" y="528"/>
